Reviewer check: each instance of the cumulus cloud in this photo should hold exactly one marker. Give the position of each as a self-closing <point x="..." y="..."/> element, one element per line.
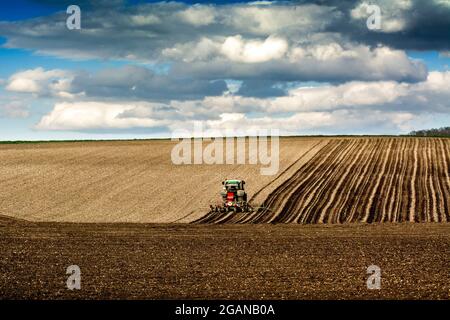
<point x="80" y="116"/>
<point x="312" y="108"/>
<point x="240" y="64"/>
<point x="405" y="24"/>
<point x="394" y="14"/>
<point x="137" y="82"/>
<point x="198" y="15"/>
<point x="319" y="62"/>
<point x="128" y="82"/>
<point x="235" y="49"/>
<point x="266" y="20"/>
<point x="431" y="95"/>
<point x="339" y="121"/>
<point x="41" y="82"/>
<point x="86" y="116"/>
<point x="146" y="30"/>
<point x="277" y="41"/>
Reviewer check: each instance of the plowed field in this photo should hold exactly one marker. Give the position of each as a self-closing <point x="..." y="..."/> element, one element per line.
<point x="362" y="180"/>
<point x="181" y="261"/>
<point x="126" y="181"/>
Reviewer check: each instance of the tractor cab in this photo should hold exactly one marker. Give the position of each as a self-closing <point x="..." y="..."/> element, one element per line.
<point x="233" y="185"/>
<point x="234" y="197"/>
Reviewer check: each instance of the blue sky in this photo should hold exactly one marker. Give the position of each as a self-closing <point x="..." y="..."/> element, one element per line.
<point x="153" y="68"/>
<point x="26" y="9"/>
<point x="23" y="9"/>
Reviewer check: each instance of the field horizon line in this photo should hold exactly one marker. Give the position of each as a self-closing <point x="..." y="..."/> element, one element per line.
<point x="164" y="139"/>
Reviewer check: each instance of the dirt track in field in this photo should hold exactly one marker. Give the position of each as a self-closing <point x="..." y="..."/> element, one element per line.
<point x="178" y="261"/>
<point x="126" y="181"/>
<point x="361" y="180"/>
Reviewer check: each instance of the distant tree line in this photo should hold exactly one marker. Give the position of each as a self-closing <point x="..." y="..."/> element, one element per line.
<point x="439" y="132"/>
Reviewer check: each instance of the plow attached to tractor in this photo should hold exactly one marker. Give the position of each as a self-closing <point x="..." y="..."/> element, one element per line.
<point x="234" y="198"/>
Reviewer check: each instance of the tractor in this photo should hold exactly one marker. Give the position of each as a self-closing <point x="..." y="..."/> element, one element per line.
<point x="234" y="198"/>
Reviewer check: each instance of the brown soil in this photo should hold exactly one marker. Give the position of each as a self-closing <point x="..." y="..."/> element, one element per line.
<point x="178" y="261"/>
<point x="361" y="180"/>
<point x="126" y="181"/>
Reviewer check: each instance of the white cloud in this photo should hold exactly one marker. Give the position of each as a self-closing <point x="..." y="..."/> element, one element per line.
<point x="203" y="50"/>
<point x="141" y="20"/>
<point x="444" y="3"/>
<point x="333" y="122"/>
<point x="323" y="52"/>
<point x="273" y="58"/>
<point x="198" y="15"/>
<point x="277" y="59"/>
<point x="146" y="30"/>
<point x="233" y="48"/>
<point x="381" y="95"/>
<point x="261" y="3"/>
<point x="275" y="19"/>
<point x="23" y="85"/>
<point x="129" y="82"/>
<point x="93" y="115"/>
<point x="436" y="82"/>
<point x="236" y="49"/>
<point x="394" y="14"/>
<point x="304" y="42"/>
<point x="40" y="82"/>
<point x="354" y="103"/>
<point x="345" y="95"/>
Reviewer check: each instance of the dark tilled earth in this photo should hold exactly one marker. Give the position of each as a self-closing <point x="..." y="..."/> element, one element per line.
<point x="144" y="261"/>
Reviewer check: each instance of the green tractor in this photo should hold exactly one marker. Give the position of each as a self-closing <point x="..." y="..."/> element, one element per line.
<point x="234" y="197"/>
